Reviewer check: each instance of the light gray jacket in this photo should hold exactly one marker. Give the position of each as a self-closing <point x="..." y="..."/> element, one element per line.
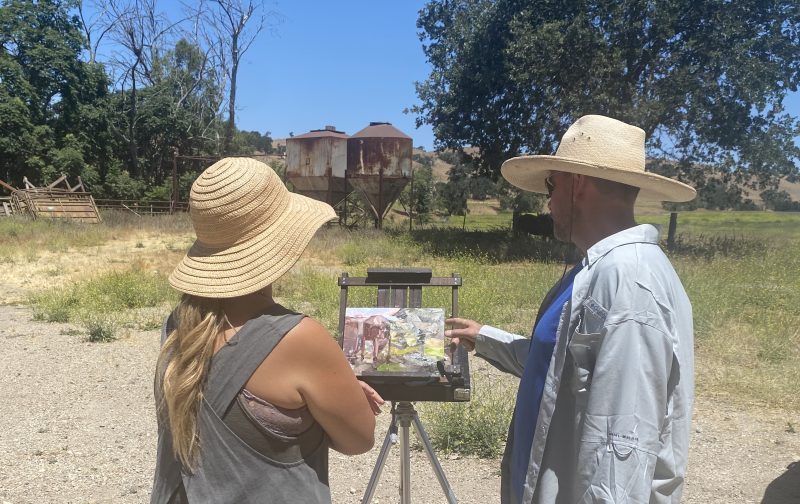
<point x="615" y="416"/>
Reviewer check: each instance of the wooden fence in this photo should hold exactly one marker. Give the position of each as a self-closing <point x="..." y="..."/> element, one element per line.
<point x="46" y="202"/>
<point x="142" y="207"/>
<point x="6" y="209"/>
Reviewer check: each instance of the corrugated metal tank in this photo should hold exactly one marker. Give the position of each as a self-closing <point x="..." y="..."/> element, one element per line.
<point x="316" y="163"/>
<point x="379" y="164"/>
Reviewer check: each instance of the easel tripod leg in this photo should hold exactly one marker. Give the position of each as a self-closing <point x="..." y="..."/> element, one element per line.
<point x="403" y="413"/>
<point x="405" y="462"/>
<point x="437" y="467"/>
<point x="388" y="441"/>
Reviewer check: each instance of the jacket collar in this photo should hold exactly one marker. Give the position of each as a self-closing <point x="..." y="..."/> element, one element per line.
<point x="644" y="233"/>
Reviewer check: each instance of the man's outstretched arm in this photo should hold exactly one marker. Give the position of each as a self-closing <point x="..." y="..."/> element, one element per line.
<point x="505" y="351"/>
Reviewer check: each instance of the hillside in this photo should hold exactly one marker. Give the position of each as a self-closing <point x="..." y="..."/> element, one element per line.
<point x="441" y="168"/>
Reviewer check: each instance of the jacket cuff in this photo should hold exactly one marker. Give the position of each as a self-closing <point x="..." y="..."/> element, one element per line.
<point x="487" y="334"/>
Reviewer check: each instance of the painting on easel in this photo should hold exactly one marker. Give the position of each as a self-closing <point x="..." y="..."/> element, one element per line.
<point x="394" y="340"/>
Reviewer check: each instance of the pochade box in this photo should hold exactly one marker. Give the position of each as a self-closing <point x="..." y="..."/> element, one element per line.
<point x="400" y="349"/>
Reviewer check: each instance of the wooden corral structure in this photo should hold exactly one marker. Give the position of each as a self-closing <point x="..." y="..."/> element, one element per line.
<point x="52" y="201"/>
<point x="5" y="202"/>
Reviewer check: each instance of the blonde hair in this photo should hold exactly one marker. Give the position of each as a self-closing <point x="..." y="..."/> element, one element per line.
<point x="182" y="369"/>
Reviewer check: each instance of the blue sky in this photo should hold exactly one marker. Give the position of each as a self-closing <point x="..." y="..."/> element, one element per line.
<point x="337" y="63"/>
<point x="343" y="64"/>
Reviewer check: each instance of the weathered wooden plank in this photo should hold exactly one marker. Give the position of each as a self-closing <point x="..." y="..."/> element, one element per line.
<point x="56" y="203"/>
<point x="415" y="297"/>
<point x="3" y="184"/>
<point x="399" y="297"/>
<point x="60" y="179"/>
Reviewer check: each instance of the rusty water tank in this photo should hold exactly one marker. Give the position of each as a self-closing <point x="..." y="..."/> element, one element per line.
<point x="379" y="165"/>
<point x="316" y="163"/>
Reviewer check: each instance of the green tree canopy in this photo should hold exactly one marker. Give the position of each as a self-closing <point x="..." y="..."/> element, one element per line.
<point x="417" y="198"/>
<point x="176" y="111"/>
<point x="705" y="79"/>
<point x="51" y="101"/>
<point x="451" y="196"/>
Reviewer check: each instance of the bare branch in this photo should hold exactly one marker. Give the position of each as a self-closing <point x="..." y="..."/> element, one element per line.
<point x="101" y="24"/>
<point x="230" y="29"/>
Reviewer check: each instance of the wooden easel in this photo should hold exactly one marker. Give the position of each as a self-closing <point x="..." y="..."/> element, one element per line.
<point x="402" y="288"/>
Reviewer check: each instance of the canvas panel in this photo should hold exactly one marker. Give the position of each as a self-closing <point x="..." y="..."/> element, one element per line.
<point x="394" y="341"/>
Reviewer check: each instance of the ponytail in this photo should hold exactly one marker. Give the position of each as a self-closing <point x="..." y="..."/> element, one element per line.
<point x="182" y="368"/>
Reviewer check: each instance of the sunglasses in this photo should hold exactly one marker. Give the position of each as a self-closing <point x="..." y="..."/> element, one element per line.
<point x="549" y="185"/>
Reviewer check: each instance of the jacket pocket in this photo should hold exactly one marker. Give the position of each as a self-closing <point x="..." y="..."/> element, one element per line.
<point x="583" y="348"/>
<point x="610" y="475"/>
<point x="593" y="316"/>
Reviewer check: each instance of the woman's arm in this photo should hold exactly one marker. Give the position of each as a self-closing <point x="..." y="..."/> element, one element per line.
<point x="314" y="365"/>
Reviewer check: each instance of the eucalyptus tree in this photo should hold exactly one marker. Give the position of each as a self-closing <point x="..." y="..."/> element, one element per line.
<point x="96" y="22"/>
<point x="705" y="79"/>
<point x="229" y="28"/>
<point x="182" y="106"/>
<point x="139" y="33"/>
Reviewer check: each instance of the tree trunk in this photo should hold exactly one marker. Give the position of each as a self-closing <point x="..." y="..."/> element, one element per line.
<point x="514" y="220"/>
<point x="232" y="97"/>
<point x="132" y="147"/>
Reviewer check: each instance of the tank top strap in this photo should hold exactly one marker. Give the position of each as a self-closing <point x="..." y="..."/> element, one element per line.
<point x="234" y="363"/>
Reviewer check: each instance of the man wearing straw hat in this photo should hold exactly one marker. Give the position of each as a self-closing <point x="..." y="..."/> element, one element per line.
<point x="603" y="410"/>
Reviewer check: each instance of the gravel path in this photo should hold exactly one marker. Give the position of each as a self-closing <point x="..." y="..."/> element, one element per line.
<point x="78" y="426"/>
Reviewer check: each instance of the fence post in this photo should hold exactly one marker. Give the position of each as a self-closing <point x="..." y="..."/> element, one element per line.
<point x="673" y="225"/>
<point x="173" y="204"/>
<point x="411" y="203"/>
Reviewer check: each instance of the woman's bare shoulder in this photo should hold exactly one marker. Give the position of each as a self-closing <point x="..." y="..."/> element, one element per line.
<point x="305" y="348"/>
<point x="311" y="337"/>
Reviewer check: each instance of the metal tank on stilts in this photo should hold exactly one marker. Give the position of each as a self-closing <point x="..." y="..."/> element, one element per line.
<point x="379" y="166"/>
<point x="316" y="164"/>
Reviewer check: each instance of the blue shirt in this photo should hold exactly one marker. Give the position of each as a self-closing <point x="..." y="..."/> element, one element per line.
<point x="529" y="395"/>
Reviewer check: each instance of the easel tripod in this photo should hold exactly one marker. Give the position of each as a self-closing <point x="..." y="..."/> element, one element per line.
<point x="403" y="415"/>
<point x="402" y="288"/>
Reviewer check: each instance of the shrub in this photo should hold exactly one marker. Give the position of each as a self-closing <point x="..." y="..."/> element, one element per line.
<point x="477" y="427"/>
<point x="100" y="329"/>
<point x="98" y="303"/>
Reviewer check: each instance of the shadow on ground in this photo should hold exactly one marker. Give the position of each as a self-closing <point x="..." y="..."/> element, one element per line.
<point x="785" y="489"/>
<point x="495" y="245"/>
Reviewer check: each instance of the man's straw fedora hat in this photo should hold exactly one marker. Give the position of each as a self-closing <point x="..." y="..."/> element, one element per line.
<point x="250" y="230"/>
<point x="601" y="147"/>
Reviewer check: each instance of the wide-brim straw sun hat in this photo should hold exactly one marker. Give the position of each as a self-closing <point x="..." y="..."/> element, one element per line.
<point x="601" y="147"/>
<point x="250" y="230"/>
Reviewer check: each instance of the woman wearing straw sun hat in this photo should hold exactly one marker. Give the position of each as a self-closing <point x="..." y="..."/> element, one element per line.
<point x="603" y="410"/>
<point x="250" y="394"/>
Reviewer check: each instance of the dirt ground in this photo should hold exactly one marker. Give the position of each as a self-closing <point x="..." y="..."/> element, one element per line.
<point x="77" y="423"/>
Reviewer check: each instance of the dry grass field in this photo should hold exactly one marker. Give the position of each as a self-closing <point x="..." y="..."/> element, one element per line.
<point x="107" y="283"/>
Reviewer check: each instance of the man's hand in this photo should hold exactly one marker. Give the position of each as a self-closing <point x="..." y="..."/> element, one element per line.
<point x="374" y="399"/>
<point x="464" y="331"/>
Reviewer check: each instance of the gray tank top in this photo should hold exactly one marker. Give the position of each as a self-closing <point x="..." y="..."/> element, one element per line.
<point x="230" y="470"/>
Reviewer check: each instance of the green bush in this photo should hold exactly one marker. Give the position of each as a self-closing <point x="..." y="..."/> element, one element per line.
<point x="100" y="329"/>
<point x="99" y="304"/>
<point x="477" y="427"/>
